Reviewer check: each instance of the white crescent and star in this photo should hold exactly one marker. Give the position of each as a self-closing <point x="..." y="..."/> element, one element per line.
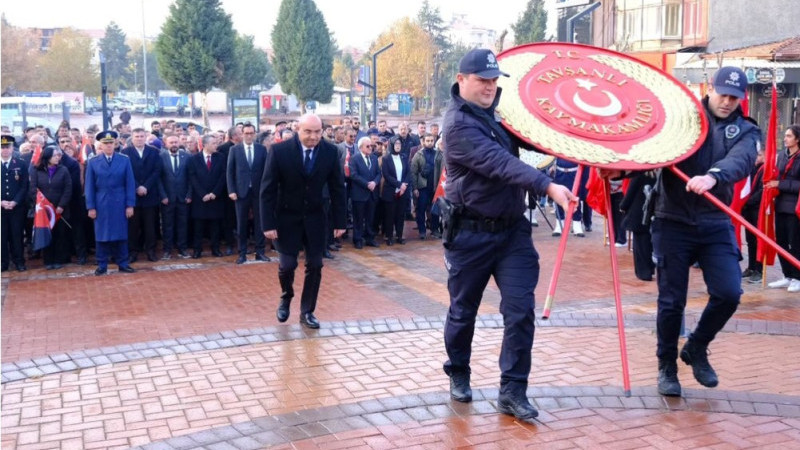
<point x="612" y="109"/>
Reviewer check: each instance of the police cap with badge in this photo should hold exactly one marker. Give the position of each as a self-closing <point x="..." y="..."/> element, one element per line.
<point x="106" y="136"/>
<point x="7" y="140"/>
<point x="482" y="63"/>
<point x="730" y="81"/>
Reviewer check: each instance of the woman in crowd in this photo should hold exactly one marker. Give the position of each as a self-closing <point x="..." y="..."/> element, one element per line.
<point x="787" y="225"/>
<point x="55" y="183"/>
<point x="394" y="192"/>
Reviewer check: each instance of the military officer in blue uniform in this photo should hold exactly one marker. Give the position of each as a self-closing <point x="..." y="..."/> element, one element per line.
<point x="486" y="233"/>
<point x="14" y="208"/>
<point x="110" y="198"/>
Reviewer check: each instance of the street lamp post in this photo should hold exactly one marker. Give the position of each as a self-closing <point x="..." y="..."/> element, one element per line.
<point x="375" y="80"/>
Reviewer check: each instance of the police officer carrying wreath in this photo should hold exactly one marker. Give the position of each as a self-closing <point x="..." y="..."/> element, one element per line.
<point x="486" y="233"/>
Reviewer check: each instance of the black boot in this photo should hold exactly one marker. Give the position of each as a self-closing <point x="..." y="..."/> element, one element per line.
<point x="697" y="357"/>
<point x="668" y="383"/>
<point x="513" y="400"/>
<point x="459" y="387"/>
<point x="287" y="286"/>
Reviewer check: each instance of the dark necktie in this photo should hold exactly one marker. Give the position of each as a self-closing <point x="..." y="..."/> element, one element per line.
<point x="369" y="164"/>
<point x="208" y="162"/>
<point x="250" y="156"/>
<point x="108" y="158"/>
<point x="175" y="163"/>
<point x="307" y="164"/>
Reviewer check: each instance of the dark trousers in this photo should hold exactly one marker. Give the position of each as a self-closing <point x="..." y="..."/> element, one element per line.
<point x="213" y="230"/>
<point x="326" y="208"/>
<point x="287" y="264"/>
<point x="117" y="249"/>
<point x="58" y="250"/>
<point x="142" y="229"/>
<point x="175" y="226"/>
<point x="787" y="235"/>
<point x="616" y="216"/>
<point x="228" y="223"/>
<point x="676" y="247"/>
<point x="13" y="227"/>
<point x="508" y="256"/>
<point x="363" y="216"/>
<point x="423" y="208"/>
<point x="643" y="265"/>
<point x="78" y="220"/>
<point x="394" y="215"/>
<point x="751" y="215"/>
<point x="243" y="208"/>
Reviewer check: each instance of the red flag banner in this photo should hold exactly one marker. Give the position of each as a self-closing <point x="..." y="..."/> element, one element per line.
<point x="37" y="151"/>
<point x="766" y="216"/>
<point x="741" y="192"/>
<point x="440" y="187"/>
<point x="346" y="163"/>
<point x="44" y="219"/>
<point x="595" y="196"/>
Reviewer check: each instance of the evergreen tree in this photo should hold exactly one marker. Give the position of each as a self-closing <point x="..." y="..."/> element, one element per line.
<point x="253" y="68"/>
<point x="116" y="51"/>
<point x="303" y="59"/>
<point x="532" y="23"/>
<point x="196" y="49"/>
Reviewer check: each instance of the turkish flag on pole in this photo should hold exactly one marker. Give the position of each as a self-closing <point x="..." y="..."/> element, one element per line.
<point x="44" y="219"/>
<point x="440" y="188"/>
<point x="595" y="193"/>
<point x="766" y="215"/>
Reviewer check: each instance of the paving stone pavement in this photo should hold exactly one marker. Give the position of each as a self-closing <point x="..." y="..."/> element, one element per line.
<point x="191" y="356"/>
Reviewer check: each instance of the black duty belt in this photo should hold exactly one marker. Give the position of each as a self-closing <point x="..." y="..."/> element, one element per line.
<point x="485" y="224"/>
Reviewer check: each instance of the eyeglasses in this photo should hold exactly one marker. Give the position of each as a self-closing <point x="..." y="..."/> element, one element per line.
<point x="63" y="142"/>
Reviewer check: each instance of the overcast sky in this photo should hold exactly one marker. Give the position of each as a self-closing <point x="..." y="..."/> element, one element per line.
<point x="353" y="22"/>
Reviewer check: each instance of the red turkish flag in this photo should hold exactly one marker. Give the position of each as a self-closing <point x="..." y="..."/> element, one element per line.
<point x="440" y="188"/>
<point x="766" y="215"/>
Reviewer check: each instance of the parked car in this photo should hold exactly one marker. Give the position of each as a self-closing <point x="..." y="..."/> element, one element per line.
<point x="144" y="106"/>
<point x="116" y="104"/>
<point x="91" y="105"/>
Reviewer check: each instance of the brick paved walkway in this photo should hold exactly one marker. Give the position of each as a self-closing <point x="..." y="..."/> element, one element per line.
<point x="191" y="356"/>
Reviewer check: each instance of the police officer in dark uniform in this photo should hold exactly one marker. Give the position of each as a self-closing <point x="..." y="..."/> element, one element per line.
<point x="688" y="229"/>
<point x="15" y="191"/>
<point x="486" y="233"/>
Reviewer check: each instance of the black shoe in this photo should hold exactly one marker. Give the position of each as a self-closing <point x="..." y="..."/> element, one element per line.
<point x="587" y="228"/>
<point x="53" y="266"/>
<point x="309" y="320"/>
<point x="436" y="235"/>
<point x="372" y="244"/>
<point x="151" y="256"/>
<point x="283" y="311"/>
<point x="390" y="242"/>
<point x="516" y="405"/>
<point x="459" y="387"/>
<point x="197" y="255"/>
<point x="21" y="267"/>
<point x="81" y="260"/>
<point x="261" y="257"/>
<point x="327" y="254"/>
<point x="747" y="273"/>
<point x="422" y="237"/>
<point x="127" y="269"/>
<point x="755" y="278"/>
<point x="228" y="252"/>
<point x="333" y="248"/>
<point x="401" y="241"/>
<point x="216" y="253"/>
<point x="166" y="256"/>
<point x="241" y="259"/>
<point x="668" y="383"/>
<point x="183" y="255"/>
<point x="98" y="272"/>
<point x="358" y="245"/>
<point x="697" y="357"/>
<point x="133" y="257"/>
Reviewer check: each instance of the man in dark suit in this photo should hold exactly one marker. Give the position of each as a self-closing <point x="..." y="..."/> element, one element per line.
<point x="110" y="200"/>
<point x="146" y="166"/>
<point x="77" y="204"/>
<point x="365" y="176"/>
<point x="15" y="190"/>
<point x="292" y="210"/>
<point x="176" y="195"/>
<point x="234" y="137"/>
<point x="207" y="179"/>
<point x="245" y="169"/>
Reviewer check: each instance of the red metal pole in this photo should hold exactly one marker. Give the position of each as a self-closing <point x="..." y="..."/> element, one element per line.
<point x="623" y="347"/>
<point x="739" y="219"/>
<point x="551" y="290"/>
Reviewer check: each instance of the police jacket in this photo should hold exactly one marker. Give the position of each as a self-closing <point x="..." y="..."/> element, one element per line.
<point x="788" y="182"/>
<point x="728" y="153"/>
<point x="484" y="172"/>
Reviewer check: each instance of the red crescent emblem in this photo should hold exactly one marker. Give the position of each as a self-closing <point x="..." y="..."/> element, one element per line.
<point x="598" y="107"/>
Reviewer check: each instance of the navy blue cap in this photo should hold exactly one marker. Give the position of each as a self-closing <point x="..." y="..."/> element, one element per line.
<point x="730" y="81"/>
<point x="481" y="62"/>
<point x="106" y="136"/>
<point x="8" y="140"/>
